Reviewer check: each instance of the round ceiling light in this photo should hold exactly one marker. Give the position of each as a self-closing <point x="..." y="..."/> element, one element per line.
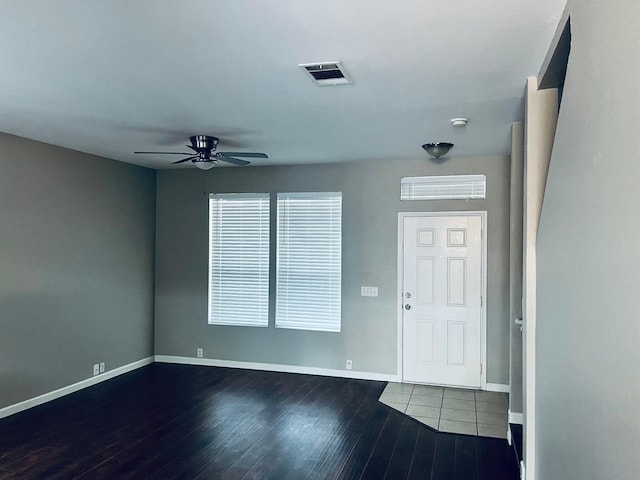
<point x="437" y="149"/>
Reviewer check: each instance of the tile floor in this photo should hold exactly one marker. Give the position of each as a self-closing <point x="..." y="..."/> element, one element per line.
<point x="472" y="412"/>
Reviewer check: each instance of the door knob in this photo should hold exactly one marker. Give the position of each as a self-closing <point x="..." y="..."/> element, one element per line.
<point x="407" y="307"/>
<point x="408" y="295"/>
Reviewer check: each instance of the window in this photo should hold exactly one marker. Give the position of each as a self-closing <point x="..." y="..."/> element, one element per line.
<point x="239" y="259"/>
<point x="309" y="261"/>
<point x="443" y="187"/>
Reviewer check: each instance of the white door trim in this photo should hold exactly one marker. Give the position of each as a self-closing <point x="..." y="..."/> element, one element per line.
<point x="483" y="288"/>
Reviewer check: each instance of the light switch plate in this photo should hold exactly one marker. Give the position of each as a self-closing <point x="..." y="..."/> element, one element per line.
<point x="368" y="291"/>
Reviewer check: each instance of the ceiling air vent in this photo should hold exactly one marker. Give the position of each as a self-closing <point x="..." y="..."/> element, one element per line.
<point x="327" y="73"/>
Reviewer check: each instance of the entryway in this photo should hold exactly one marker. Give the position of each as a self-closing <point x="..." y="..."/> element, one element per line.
<point x="452" y="410"/>
<point x="442" y="285"/>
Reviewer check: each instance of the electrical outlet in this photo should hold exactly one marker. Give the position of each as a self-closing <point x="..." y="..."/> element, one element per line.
<point x="96" y="369"/>
<point x="368" y="291"/>
<point x="349" y="364"/>
<point x="199" y="353"/>
<point x="102" y="367"/>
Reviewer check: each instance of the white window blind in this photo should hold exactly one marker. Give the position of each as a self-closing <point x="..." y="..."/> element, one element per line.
<point x="443" y="187"/>
<point x="309" y="261"/>
<point x="239" y="259"/>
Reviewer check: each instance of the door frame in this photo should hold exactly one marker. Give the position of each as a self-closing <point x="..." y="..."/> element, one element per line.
<point x="483" y="287"/>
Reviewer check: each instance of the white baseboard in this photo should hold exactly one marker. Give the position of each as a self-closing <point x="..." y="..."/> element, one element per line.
<point x="271" y="367"/>
<point x="274" y="367"/>
<point x="515" y="417"/>
<point x="498" y="387"/>
<point x="61" y="392"/>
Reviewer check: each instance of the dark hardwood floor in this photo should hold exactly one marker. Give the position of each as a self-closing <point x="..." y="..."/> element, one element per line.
<point x="185" y="422"/>
<point x="516" y="433"/>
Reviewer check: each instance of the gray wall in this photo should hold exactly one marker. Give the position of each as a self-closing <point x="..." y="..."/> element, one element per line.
<point x="370" y="207"/>
<point x="76" y="266"/>
<point x="588" y="340"/>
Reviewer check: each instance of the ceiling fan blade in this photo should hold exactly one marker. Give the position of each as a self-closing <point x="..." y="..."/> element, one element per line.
<point x="235" y="161"/>
<point x="185" y="160"/>
<point x="245" y="154"/>
<point x="165" y="153"/>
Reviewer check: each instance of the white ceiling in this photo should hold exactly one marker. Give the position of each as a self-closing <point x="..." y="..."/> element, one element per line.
<point x="112" y="77"/>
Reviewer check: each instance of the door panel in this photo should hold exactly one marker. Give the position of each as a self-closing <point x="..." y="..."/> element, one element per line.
<point x="426" y="280"/>
<point x="442" y="286"/>
<point x="426" y="336"/>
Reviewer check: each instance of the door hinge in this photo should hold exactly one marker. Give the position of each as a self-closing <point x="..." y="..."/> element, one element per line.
<point x="480" y="369"/>
<point x="481" y="301"/>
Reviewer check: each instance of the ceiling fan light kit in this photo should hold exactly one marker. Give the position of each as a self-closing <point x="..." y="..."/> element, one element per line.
<point x="437" y="149"/>
<point x="205" y="165"/>
<point x="204" y="154"/>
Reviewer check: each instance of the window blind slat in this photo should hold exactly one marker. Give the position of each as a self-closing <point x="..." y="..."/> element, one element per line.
<point x="309" y="261"/>
<point x="239" y="259"/>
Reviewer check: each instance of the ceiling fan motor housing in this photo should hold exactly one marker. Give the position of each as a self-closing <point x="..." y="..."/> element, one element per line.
<point x="204" y="143"/>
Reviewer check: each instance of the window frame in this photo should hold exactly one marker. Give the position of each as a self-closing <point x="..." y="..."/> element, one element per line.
<point x="333" y="321"/>
<point x="444" y="187"/>
<point x="262" y="320"/>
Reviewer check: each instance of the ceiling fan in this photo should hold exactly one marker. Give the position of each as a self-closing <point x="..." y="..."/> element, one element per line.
<point x="204" y="155"/>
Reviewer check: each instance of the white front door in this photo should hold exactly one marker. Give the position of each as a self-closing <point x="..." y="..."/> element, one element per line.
<point x="441" y="293"/>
